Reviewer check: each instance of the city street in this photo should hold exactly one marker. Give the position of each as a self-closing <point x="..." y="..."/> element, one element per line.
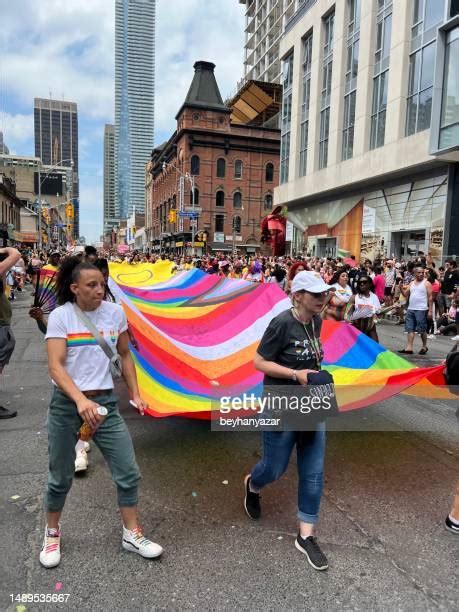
<point x="386" y="496"/>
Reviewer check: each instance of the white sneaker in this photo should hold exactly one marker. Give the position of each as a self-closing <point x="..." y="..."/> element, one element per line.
<point x="81" y="461"/>
<point x="455" y="338"/>
<point x="50" y="555"/>
<point x="86" y="446"/>
<point x="135" y="541"/>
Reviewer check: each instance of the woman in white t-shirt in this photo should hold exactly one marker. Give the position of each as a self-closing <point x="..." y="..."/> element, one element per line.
<point x="83" y="383"/>
<point x="365" y="303"/>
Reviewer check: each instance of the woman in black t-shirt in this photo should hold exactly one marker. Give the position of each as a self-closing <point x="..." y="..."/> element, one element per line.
<point x="288" y="353"/>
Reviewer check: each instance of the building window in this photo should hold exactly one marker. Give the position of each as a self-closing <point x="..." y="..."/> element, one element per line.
<point x="269" y="172"/>
<point x="449" y="119"/>
<point x="427" y="16"/>
<point x="238" y="169"/>
<point x="268" y="205"/>
<point x="195" y="165"/>
<point x="221" y="167"/>
<point x="327" y="69"/>
<point x="196" y="197"/>
<point x="287" y="80"/>
<point x="220" y="199"/>
<point x="237" y="225"/>
<point x="350" y="83"/>
<point x="381" y="73"/>
<point x="306" y="97"/>
<point x="237" y="199"/>
<point x="219" y="223"/>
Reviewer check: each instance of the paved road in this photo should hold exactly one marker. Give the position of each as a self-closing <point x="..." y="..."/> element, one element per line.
<point x="386" y="496"/>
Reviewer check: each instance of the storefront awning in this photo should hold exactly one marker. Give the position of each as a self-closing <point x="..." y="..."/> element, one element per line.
<point x="220" y="246"/>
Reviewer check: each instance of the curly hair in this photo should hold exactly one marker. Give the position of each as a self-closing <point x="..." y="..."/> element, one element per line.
<point x="294" y="269"/>
<point x="336" y="275"/>
<point x="68" y="273"/>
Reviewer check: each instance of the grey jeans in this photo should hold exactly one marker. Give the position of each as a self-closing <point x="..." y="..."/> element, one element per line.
<point x="7" y="344"/>
<point x="112" y="438"/>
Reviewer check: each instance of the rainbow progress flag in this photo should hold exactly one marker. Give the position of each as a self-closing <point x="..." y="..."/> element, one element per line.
<point x="198" y="333"/>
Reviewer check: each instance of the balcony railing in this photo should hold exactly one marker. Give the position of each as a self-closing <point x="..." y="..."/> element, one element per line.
<point x="295" y="18"/>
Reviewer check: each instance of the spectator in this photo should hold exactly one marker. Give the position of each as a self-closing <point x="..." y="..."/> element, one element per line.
<point x="8" y="258"/>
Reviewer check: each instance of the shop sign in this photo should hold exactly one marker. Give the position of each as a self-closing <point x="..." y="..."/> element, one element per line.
<point x="368" y="220"/>
<point x="219" y="237"/>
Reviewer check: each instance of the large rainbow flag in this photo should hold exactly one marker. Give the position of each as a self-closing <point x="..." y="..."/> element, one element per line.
<point x="198" y="333"/>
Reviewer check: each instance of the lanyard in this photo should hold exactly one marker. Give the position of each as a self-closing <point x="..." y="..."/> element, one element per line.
<point x="313" y="341"/>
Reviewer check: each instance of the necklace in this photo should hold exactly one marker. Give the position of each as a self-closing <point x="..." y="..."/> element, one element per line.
<point x="311" y="337"/>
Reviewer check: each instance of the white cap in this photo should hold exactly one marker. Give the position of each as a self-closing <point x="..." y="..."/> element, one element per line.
<point x="309" y="281"/>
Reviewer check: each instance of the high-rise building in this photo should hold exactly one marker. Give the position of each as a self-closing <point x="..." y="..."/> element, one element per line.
<point x="56" y="141"/>
<point x="134" y="101"/>
<point x="3" y="148"/>
<point x="110" y="218"/>
<point x="370" y="137"/>
<point x="265" y="21"/>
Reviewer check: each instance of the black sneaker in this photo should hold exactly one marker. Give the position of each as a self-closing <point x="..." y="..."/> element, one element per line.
<point x="311" y="549"/>
<point x="450" y="526"/>
<point x="7" y="414"/>
<point x="251" y="501"/>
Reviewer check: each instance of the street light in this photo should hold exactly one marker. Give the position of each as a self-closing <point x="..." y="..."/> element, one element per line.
<point x="189" y="177"/>
<point x="40" y="182"/>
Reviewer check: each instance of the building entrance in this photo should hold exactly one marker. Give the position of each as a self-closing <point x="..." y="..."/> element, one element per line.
<point x="326" y="247"/>
<point x="407" y="244"/>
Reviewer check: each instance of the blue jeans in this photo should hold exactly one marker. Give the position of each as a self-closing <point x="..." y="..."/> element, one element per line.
<point x="277" y="448"/>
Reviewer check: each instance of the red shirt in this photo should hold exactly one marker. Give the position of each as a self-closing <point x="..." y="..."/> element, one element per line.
<point x="379" y="282"/>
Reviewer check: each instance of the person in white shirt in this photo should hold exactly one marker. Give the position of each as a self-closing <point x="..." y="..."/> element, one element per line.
<point x="366" y="303"/>
<point x="419" y="296"/>
<point x="81" y="375"/>
<point x="341" y="295"/>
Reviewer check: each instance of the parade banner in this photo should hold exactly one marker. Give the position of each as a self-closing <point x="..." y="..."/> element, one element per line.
<point x="197" y="335"/>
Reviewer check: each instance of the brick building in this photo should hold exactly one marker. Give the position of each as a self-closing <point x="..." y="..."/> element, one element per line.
<point x="233" y="166"/>
<point x="10" y="210"/>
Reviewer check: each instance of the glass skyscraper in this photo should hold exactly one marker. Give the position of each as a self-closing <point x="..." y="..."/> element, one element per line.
<point x="134" y="101"/>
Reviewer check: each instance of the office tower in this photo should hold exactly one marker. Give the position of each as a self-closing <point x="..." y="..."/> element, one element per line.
<point x="134" y="101"/>
<point x="110" y="218"/>
<point x="3" y="148"/>
<point x="369" y="130"/>
<point x="56" y="141"/>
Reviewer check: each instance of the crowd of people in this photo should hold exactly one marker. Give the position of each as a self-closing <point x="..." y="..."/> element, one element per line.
<point x="423" y="297"/>
<point x="88" y="336"/>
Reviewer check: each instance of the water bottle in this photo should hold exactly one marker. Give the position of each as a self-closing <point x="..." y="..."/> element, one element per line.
<point x="86" y="432"/>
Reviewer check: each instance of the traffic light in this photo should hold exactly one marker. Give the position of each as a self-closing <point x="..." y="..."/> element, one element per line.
<point x="172" y="215"/>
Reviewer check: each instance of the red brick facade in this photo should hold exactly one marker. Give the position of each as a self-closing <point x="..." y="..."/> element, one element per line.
<point x="245" y="152"/>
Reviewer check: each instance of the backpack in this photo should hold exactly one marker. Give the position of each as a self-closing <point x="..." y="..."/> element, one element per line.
<point x="452" y="369"/>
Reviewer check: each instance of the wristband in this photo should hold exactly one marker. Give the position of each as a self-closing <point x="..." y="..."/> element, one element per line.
<point x="294" y="377"/>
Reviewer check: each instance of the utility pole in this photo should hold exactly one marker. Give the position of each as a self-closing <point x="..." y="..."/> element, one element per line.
<point x="190" y="177"/>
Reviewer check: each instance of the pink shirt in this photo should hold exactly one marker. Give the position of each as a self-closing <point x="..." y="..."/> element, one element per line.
<point x="379" y="283"/>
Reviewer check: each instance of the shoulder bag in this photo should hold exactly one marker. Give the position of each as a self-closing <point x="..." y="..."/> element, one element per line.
<point x="116" y="366"/>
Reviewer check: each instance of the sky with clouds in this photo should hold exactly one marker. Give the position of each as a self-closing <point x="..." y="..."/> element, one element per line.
<point x="66" y="48"/>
